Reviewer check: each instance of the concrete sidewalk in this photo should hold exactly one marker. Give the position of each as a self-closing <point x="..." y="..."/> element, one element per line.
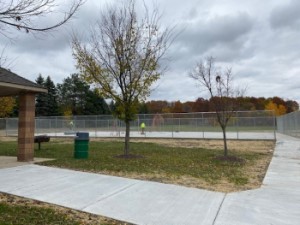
<point x="278" y="200"/>
<point x="143" y="202"/>
<point x="11" y="161"/>
<point x="135" y="201"/>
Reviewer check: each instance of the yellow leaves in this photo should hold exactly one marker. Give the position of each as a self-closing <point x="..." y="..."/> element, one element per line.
<point x="166" y="110"/>
<point x="126" y="110"/>
<point x="85" y="62"/>
<point x="67" y="112"/>
<point x="6" y="106"/>
<point x="91" y="71"/>
<point x="281" y="110"/>
<point x="278" y="109"/>
<point x="122" y="67"/>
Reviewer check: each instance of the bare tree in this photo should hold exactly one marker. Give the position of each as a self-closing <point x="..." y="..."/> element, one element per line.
<point x="123" y="57"/>
<point x="219" y="85"/>
<point x="25" y="14"/>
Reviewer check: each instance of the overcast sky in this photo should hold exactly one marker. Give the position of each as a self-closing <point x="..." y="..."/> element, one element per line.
<point x="260" y="40"/>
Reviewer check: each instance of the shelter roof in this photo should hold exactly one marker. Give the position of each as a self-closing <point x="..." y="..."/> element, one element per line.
<point x="12" y="84"/>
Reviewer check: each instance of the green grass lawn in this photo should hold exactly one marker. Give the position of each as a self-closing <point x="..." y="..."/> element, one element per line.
<point x="15" y="214"/>
<point x="22" y="211"/>
<point x="172" y="162"/>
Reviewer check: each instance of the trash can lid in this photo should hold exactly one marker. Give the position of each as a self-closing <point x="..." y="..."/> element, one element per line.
<point x="82" y="135"/>
<point x="81" y="139"/>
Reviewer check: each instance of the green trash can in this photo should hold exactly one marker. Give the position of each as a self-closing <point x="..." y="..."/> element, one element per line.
<point x="81" y="145"/>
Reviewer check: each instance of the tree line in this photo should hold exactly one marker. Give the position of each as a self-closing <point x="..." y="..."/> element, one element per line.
<point x="279" y="105"/>
<point x="74" y="96"/>
<point x="71" y="97"/>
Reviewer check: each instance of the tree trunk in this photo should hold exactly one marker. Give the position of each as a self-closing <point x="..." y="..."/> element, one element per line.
<point x="127" y="138"/>
<point x="225" y="141"/>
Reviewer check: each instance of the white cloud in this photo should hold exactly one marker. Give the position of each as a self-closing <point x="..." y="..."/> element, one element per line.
<point x="286" y="15"/>
<point x="259" y="39"/>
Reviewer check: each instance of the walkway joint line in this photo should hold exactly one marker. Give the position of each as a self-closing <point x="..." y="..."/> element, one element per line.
<point x="108" y="196"/>
<point x="219" y="209"/>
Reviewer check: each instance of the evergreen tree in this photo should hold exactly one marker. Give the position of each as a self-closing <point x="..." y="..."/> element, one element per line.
<point x="41" y="98"/>
<point x="46" y="103"/>
<point x="76" y="95"/>
<point x="73" y="94"/>
<point x="95" y="104"/>
<point x="112" y="107"/>
<point x="51" y="98"/>
<point x="143" y="109"/>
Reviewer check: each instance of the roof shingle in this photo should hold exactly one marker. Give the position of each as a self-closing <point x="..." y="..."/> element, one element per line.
<point x="7" y="76"/>
<point x="12" y="84"/>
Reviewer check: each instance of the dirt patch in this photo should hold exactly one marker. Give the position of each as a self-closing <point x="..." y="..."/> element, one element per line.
<point x="236" y="145"/>
<point x="2" y="138"/>
<point x="81" y="217"/>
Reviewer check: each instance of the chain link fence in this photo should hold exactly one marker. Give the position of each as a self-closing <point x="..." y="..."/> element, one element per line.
<point x="243" y="125"/>
<point x="289" y="124"/>
<point x="2" y="127"/>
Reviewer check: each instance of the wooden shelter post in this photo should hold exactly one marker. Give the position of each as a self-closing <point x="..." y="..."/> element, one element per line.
<point x="12" y="84"/>
<point x="26" y="127"/>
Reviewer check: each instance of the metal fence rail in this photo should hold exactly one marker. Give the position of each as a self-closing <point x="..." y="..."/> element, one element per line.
<point x="289" y="124"/>
<point x="2" y="127"/>
<point x="197" y="125"/>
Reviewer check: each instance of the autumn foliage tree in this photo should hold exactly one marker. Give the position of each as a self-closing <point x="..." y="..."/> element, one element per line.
<point x="123" y="58"/>
<point x="277" y="109"/>
<point x="177" y="107"/>
<point x="291" y="106"/>
<point x="201" y="105"/>
<point x="246" y="103"/>
<point x="6" y="106"/>
<point x="157" y="106"/>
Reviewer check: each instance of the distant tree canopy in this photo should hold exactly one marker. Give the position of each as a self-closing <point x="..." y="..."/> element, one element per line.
<point x="75" y="97"/>
<point x="279" y="109"/>
<point x="205" y="105"/>
<point x="72" y="97"/>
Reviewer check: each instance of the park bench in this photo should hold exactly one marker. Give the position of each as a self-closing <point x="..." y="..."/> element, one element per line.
<point x="41" y="138"/>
